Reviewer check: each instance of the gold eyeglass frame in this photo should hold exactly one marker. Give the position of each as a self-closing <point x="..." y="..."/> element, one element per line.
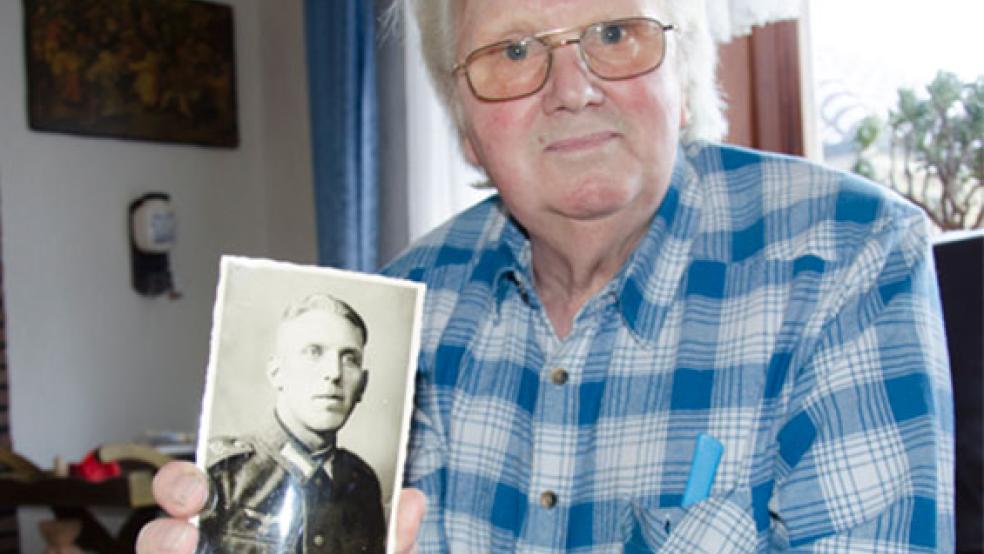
<point x="546" y="39"/>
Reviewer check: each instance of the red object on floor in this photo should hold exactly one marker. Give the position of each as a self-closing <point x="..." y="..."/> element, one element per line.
<point x="91" y="469"/>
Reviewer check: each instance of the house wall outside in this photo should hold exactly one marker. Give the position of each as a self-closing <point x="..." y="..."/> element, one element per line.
<point x="90" y="360"/>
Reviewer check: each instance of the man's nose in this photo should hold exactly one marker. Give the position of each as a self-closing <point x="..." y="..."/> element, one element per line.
<point x="570" y="85"/>
<point x="330" y="368"/>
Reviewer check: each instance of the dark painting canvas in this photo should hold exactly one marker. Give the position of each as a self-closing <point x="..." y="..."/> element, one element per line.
<point x="159" y="70"/>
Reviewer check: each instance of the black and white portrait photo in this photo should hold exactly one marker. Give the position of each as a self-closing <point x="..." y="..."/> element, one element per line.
<point x="306" y="408"/>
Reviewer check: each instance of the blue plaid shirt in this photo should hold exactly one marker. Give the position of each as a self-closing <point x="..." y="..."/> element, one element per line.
<point x="786" y="310"/>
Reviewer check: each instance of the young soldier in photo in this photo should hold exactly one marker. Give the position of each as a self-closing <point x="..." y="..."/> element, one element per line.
<point x="289" y="487"/>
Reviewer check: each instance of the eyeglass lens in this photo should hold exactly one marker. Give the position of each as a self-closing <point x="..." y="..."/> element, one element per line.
<point x="617" y="49"/>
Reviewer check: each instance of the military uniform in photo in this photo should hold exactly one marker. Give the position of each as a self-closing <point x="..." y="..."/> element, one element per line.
<point x="271" y="495"/>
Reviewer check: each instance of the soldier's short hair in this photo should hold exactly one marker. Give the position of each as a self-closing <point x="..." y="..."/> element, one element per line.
<point x="326" y="302"/>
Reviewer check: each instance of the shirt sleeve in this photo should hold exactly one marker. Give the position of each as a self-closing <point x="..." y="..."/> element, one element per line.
<point x="864" y="452"/>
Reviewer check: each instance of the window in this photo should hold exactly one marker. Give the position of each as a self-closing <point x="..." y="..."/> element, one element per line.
<point x="863" y="54"/>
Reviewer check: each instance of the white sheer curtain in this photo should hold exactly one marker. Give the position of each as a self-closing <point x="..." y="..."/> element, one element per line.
<point x="734" y="18"/>
<point x="439" y="180"/>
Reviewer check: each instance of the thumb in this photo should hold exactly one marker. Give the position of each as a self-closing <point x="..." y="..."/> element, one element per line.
<point x="409" y="515"/>
<point x="180" y="488"/>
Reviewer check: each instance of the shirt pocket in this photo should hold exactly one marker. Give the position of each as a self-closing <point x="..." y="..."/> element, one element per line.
<point x="646" y="529"/>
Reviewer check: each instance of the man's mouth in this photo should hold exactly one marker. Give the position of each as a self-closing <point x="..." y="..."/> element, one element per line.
<point x="330" y="397"/>
<point x="581" y="142"/>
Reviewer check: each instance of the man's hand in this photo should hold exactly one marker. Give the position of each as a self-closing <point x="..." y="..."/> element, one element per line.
<point x="181" y="489"/>
<point x="409" y="514"/>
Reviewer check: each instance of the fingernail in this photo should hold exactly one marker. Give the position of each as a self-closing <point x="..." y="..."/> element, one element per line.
<point x="187" y="487"/>
<point x="174" y="537"/>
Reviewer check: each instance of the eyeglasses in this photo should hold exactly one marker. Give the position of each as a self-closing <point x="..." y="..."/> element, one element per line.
<point x="612" y="50"/>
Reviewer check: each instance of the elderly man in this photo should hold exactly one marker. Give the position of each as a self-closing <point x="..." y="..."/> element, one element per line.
<point x="633" y="292"/>
<point x="289" y="487"/>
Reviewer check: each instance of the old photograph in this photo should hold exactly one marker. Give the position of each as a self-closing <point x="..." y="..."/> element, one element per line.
<point x="306" y="408"/>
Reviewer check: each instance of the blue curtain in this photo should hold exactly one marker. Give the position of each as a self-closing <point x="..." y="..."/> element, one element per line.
<point x="340" y="39"/>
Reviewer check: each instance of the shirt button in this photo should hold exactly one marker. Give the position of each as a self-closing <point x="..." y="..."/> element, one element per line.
<point x="318" y="540"/>
<point x="558" y="376"/>
<point x="548" y="499"/>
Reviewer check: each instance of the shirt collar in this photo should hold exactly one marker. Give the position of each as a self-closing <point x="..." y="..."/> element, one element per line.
<point x="652" y="276"/>
<point x="513" y="264"/>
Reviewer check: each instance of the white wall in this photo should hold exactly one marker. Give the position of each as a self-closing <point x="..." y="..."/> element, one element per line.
<point x="91" y="361"/>
<point x="286" y="131"/>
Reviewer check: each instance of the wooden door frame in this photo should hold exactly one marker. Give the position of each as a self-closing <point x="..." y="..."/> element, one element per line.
<point x="761" y="76"/>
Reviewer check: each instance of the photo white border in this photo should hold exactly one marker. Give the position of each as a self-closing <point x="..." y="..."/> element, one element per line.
<point x="225" y="264"/>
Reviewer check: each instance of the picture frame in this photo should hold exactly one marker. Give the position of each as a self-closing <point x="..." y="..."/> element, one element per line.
<point x="149" y="70"/>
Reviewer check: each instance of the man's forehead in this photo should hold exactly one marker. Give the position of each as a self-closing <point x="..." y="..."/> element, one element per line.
<point x="318" y="320"/>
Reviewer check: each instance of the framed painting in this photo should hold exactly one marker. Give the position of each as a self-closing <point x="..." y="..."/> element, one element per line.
<point x="155" y="70"/>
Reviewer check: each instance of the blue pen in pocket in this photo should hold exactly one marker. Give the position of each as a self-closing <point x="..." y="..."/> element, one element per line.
<point x="703" y="467"/>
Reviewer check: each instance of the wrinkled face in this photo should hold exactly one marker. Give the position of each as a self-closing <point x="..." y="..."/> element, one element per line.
<point x="582" y="148"/>
<point x="317" y="370"/>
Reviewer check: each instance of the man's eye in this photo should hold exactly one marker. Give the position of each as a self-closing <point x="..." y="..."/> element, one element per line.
<point x="612" y="33"/>
<point x="313" y="351"/>
<point x="351" y="359"/>
<point x="517" y="51"/>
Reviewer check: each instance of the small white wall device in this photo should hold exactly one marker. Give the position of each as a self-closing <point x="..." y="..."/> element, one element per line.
<point x="153" y="231"/>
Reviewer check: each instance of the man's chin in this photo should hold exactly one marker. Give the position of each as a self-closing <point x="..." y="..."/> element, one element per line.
<point x="325" y="426"/>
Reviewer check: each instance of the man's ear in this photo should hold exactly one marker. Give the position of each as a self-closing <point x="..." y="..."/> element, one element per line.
<point x="273" y="372"/>
<point x="361" y="388"/>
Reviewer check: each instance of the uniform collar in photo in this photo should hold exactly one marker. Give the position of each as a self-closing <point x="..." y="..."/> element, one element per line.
<point x="292" y="453"/>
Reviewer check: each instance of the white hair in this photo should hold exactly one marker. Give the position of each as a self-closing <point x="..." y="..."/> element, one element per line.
<point x="696" y="60"/>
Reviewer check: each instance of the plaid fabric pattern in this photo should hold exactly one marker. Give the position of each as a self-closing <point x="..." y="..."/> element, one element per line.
<point x="787" y="310"/>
